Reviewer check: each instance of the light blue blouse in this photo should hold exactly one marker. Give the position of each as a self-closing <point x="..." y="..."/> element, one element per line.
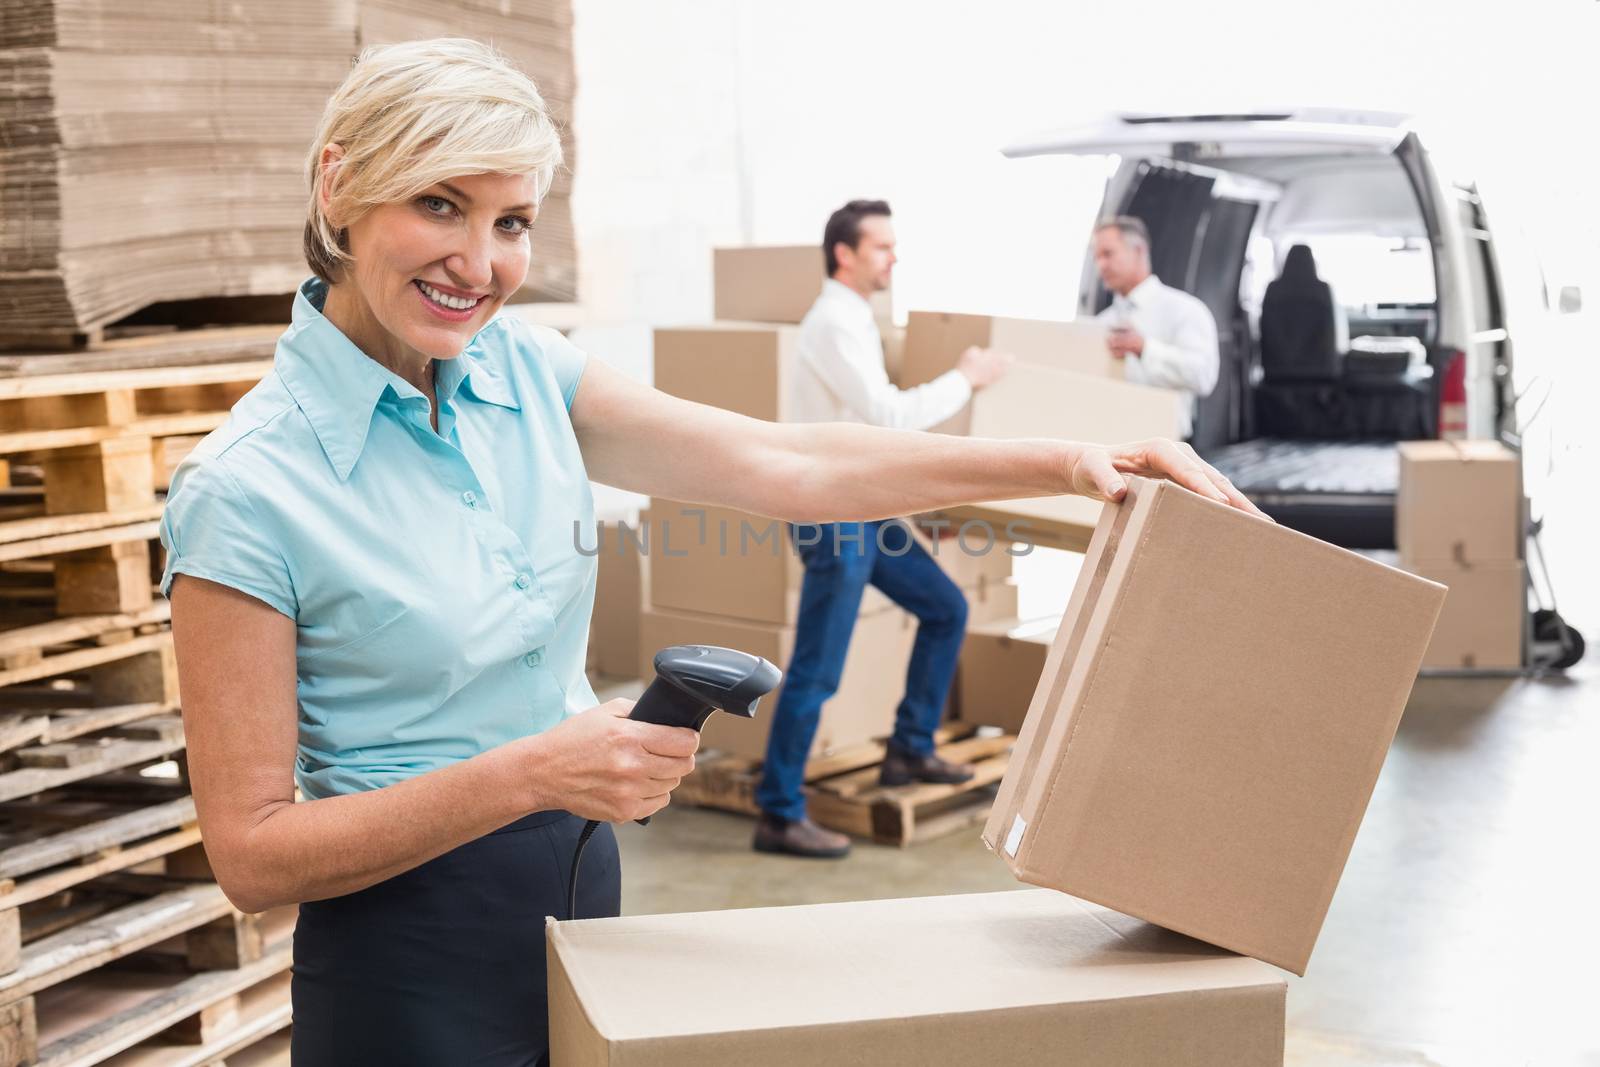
<point x="438" y="581"/>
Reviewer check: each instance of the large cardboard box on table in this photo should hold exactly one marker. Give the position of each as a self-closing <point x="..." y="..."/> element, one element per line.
<point x="1211" y="719"/>
<point x="1026" y="977"/>
<point x="774" y="283"/>
<point x="1458" y="500"/>
<point x="1001" y="663"/>
<point x="1483" y="617"/>
<point x="861" y="710"/>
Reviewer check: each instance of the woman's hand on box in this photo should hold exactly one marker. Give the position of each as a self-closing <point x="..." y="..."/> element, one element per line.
<point x="1098" y="471"/>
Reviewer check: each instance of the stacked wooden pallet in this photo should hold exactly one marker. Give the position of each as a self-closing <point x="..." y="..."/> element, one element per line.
<point x="116" y="945"/>
<point x="842" y="790"/>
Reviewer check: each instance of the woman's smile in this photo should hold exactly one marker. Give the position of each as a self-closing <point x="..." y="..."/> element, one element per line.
<point x="445" y="305"/>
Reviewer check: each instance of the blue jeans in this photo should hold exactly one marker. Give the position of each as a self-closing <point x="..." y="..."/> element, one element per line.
<point x="841" y="559"/>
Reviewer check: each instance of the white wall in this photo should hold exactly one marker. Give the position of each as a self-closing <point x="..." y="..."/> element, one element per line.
<point x="703" y="122"/>
<point x="706" y="121"/>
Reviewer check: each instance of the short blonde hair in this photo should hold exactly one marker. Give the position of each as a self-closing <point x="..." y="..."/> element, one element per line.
<point x="411" y="115"/>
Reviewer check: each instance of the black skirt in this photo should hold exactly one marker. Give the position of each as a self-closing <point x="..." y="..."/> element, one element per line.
<point x="445" y="964"/>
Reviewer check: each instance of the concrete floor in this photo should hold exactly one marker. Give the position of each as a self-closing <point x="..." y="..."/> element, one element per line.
<point x="1464" y="931"/>
<point x="1467" y="925"/>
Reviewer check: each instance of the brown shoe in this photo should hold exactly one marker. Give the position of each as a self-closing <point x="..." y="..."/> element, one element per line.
<point x="801" y="837"/>
<point x="900" y="768"/>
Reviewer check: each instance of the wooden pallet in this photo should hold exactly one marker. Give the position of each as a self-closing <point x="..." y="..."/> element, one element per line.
<point x="54" y="843"/>
<point x="157" y="1017"/>
<point x="84" y="455"/>
<point x="82" y="643"/>
<point x="178" y="977"/>
<point x="109" y="704"/>
<point x="728" y="783"/>
<point x="843" y="794"/>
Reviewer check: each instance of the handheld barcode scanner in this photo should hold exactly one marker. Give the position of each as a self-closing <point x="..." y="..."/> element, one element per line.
<point x="691" y="682"/>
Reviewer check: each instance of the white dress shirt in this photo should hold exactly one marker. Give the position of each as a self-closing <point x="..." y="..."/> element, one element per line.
<point x="1180" y="341"/>
<point x="842" y="378"/>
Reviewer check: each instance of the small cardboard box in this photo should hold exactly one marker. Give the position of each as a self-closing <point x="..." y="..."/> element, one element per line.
<point x="618" y="602"/>
<point x="769" y="284"/>
<point x="1483" y="617"/>
<point x="1001" y="663"/>
<point x="773" y="283"/>
<point x="739" y="366"/>
<point x="863" y="707"/>
<point x="1024" y="977"/>
<point x="1211" y="719"/>
<point x="1459" y="500"/>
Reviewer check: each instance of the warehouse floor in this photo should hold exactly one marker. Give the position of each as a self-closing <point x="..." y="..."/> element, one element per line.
<point x="1463" y="931"/>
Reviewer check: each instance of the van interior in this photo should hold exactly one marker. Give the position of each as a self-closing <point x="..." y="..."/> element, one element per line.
<point x="1318" y="261"/>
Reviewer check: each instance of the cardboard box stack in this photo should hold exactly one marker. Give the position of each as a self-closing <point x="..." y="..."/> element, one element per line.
<point x="1211" y="719"/>
<point x="155" y="153"/>
<point x="715" y="570"/>
<point x="1018" y="977"/>
<point x="1458" y="521"/>
<point x="725" y="577"/>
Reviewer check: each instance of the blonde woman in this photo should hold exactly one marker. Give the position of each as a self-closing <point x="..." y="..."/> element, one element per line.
<point x="376" y="594"/>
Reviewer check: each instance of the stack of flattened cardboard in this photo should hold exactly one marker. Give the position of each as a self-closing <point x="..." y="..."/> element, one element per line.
<point x="156" y="153"/>
<point x="536" y="35"/>
<point x="1458" y="521"/>
<point x="1210" y="721"/>
<point x="1025" y="977"/>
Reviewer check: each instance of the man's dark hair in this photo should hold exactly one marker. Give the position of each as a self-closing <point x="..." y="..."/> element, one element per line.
<point x="844" y="227"/>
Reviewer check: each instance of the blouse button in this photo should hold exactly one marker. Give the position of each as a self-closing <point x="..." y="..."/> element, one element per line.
<point x="470" y="499"/>
<point x="534" y="658"/>
<point x="523" y="581"/>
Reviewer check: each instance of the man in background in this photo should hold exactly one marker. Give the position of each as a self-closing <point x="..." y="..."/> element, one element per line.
<point x="1163" y="336"/>
<point x="841" y="378"/>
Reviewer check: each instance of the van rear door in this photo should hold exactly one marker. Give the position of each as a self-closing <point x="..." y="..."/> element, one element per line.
<point x="1206" y="137"/>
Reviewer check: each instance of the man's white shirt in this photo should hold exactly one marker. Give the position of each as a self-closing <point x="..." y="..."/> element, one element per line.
<point x="842" y="377"/>
<point x="1180" y="341"/>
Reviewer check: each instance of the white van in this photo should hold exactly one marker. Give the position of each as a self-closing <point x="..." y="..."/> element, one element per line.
<point x="1409" y="256"/>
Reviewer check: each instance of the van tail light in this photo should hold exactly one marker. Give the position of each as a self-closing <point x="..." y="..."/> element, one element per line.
<point x="1453" y="396"/>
